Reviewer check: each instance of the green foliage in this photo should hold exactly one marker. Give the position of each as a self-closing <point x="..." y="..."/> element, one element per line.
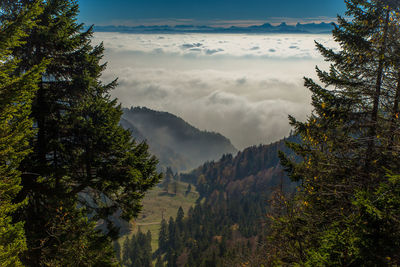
<point x="16" y="93"/>
<point x="137" y="250"/>
<point x="371" y="236"/>
<point x="117" y="249"/>
<point x="379" y="222"/>
<point x="82" y="161"/>
<point x="73" y="242"/>
<point x="159" y="262"/>
<point x="349" y="142"/>
<point x="163" y="236"/>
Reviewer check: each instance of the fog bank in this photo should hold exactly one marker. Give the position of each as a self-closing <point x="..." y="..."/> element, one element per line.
<point x="243" y="86"/>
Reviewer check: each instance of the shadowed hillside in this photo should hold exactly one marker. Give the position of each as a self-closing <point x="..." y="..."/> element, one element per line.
<point x="175" y="142"/>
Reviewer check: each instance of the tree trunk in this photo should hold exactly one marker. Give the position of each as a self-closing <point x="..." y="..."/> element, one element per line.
<point x="376" y="97"/>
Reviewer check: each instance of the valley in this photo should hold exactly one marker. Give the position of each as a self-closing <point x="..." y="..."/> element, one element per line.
<point x="229" y="197"/>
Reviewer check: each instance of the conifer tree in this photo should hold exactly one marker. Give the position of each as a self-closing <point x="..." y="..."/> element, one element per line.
<point x="117" y="249"/>
<point x="188" y="189"/>
<point x="163" y="237"/>
<point x="159" y="262"/>
<point x="126" y="252"/>
<point x="81" y="156"/>
<point x="175" y="187"/>
<point x="179" y="218"/>
<point x="171" y="234"/>
<point x="16" y="94"/>
<point x="169" y="177"/>
<point x="349" y="143"/>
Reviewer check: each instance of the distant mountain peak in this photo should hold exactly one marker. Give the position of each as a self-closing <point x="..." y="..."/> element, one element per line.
<point x="283" y="27"/>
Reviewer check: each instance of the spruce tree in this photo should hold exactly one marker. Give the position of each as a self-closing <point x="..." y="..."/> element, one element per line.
<point x="168" y="178"/>
<point x="126" y="252"/>
<point x="16" y="94"/>
<point x="171" y="234"/>
<point x="81" y="156"/>
<point x="117" y="249"/>
<point x="179" y="218"/>
<point x="159" y="262"/>
<point x="163" y="237"/>
<point x="188" y="189"/>
<point x="349" y="143"/>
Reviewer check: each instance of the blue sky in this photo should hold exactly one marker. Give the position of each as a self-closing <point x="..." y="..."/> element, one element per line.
<point x="136" y="12"/>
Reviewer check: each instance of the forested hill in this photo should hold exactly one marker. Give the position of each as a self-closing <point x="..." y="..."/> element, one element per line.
<point x="227" y="221"/>
<point x="256" y="166"/>
<point x="175" y="142"/>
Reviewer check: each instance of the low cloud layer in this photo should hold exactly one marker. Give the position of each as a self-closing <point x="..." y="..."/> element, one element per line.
<point x="243" y="86"/>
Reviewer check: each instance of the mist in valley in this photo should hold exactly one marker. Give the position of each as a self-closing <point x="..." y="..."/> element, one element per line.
<point x="242" y="86"/>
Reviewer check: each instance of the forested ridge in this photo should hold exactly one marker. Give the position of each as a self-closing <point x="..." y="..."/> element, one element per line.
<point x="328" y="195"/>
<point x="176" y="143"/>
<point x="229" y="220"/>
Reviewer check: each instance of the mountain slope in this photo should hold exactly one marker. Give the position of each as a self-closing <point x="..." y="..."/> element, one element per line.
<point x="175" y="142"/>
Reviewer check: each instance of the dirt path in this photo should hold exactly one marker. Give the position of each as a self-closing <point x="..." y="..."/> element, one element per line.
<point x="144" y="224"/>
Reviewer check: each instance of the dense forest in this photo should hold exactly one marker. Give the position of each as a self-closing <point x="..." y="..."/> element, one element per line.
<point x="329" y="195"/>
<point x="228" y="222"/>
<point x="228" y="219"/>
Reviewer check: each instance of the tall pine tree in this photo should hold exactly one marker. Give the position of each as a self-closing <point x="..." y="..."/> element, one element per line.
<point x="349" y="142"/>
<point x="16" y="94"/>
<point x="81" y="156"/>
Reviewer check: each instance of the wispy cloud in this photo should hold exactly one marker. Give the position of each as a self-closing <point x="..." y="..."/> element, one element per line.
<point x="236" y="45"/>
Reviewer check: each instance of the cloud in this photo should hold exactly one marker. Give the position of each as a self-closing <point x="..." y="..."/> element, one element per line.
<point x="249" y="110"/>
<point x="213" y="51"/>
<point x="231" y="89"/>
<point x="274" y="46"/>
<point x="187" y="46"/>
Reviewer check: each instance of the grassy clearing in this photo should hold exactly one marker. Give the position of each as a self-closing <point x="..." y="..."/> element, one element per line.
<point x="159" y="204"/>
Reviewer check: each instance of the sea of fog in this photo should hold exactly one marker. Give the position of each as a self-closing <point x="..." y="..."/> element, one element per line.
<point x="242" y="86"/>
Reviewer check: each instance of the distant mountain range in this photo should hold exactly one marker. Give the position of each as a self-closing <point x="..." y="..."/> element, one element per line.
<point x="315" y="28"/>
<point x="176" y="143"/>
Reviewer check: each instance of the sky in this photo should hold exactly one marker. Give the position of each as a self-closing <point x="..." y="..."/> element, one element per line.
<point x="207" y="12"/>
